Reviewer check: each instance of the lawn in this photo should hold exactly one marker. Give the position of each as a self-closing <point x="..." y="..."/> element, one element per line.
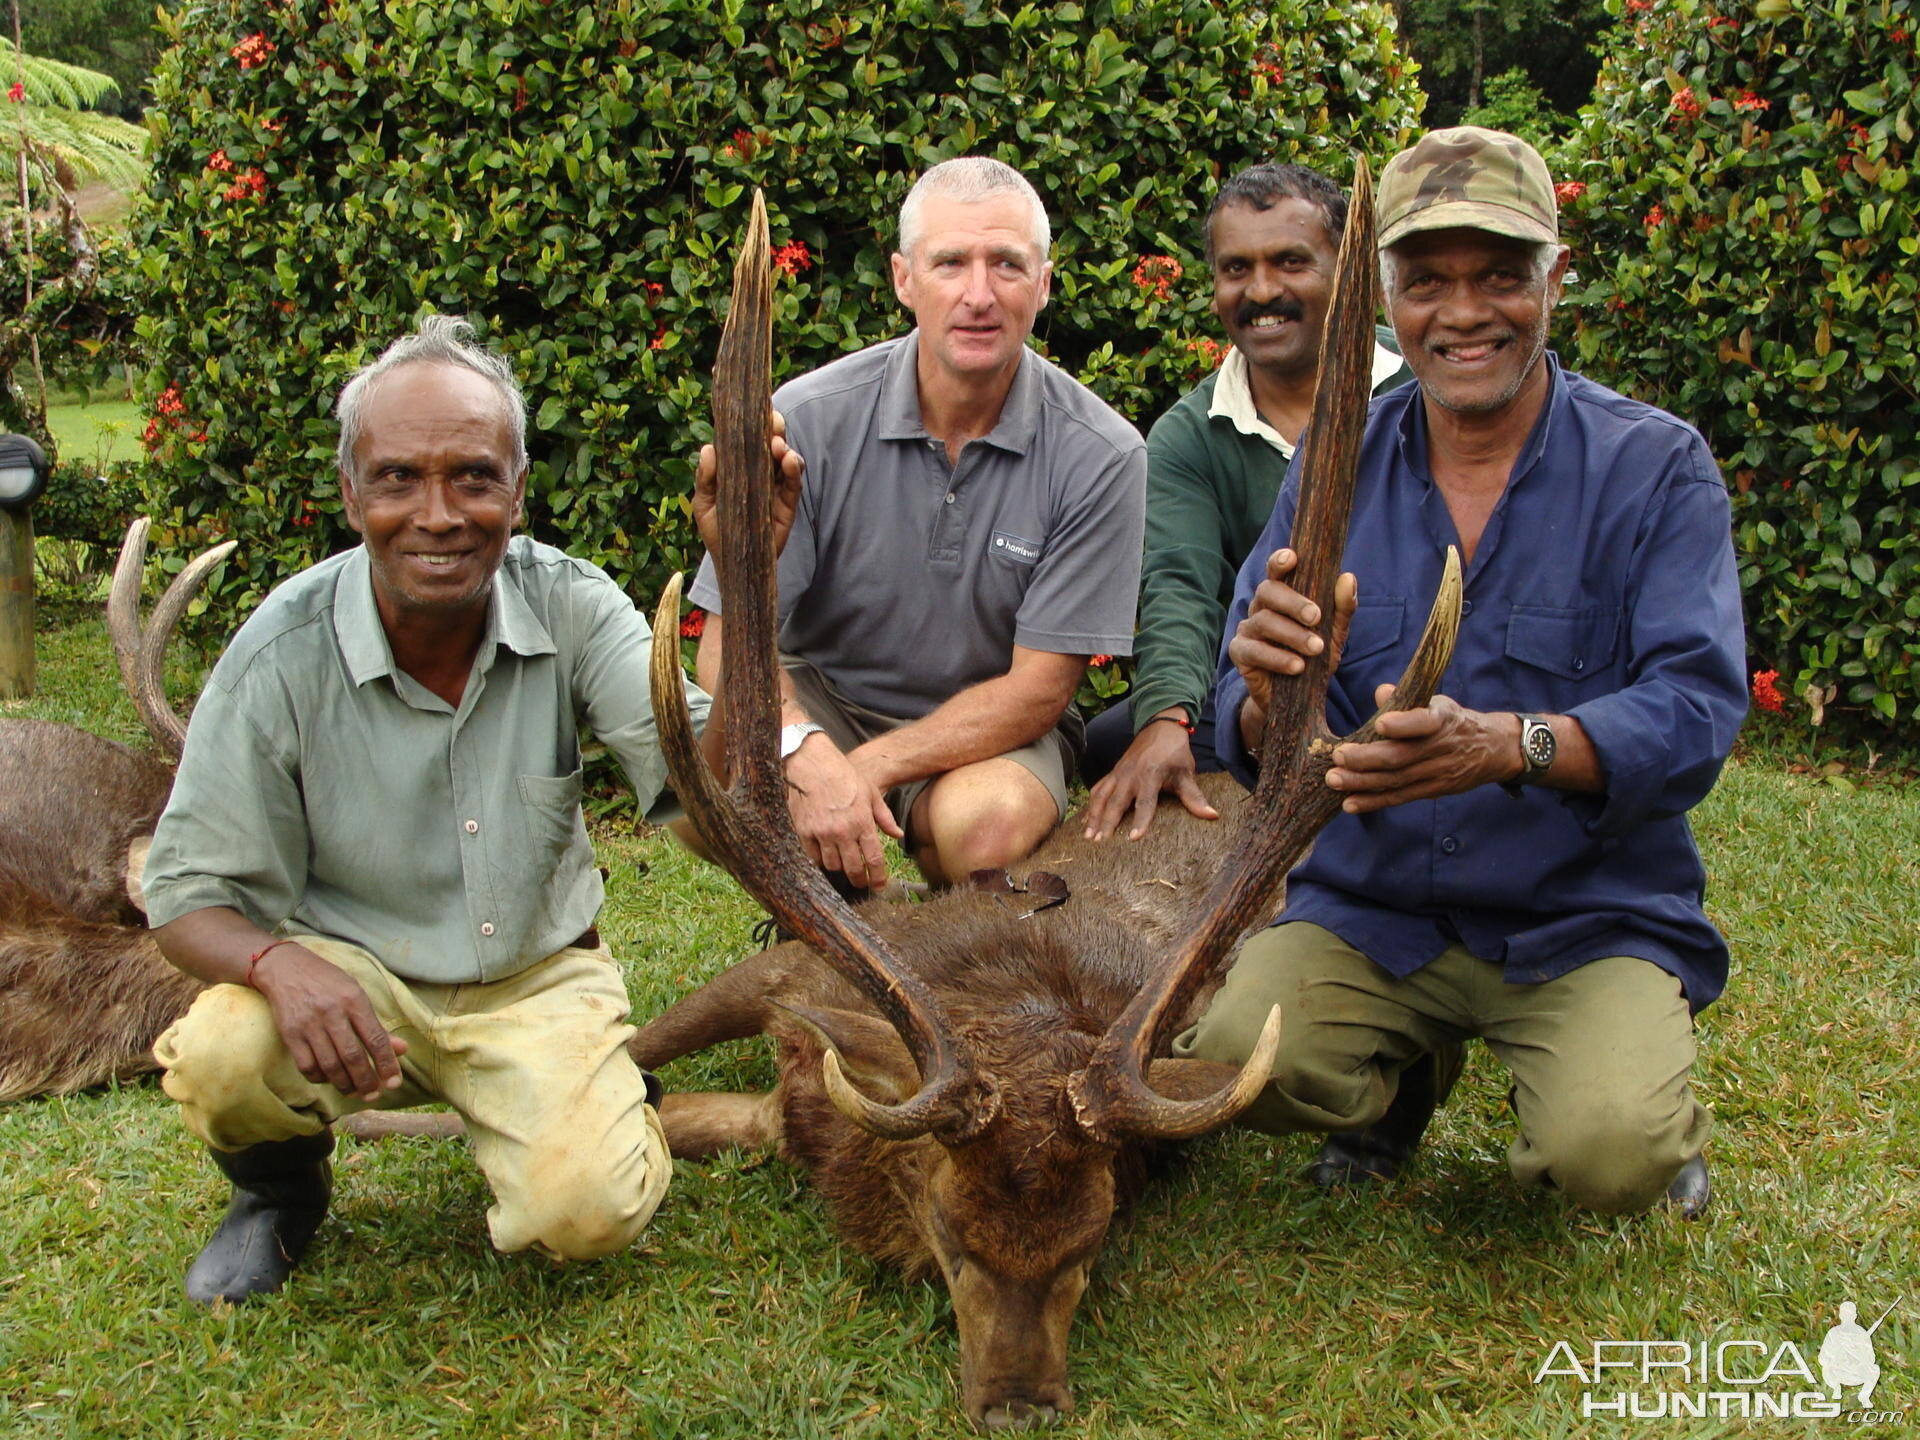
<point x="96" y="433"/>
<point x="1235" y="1302"/>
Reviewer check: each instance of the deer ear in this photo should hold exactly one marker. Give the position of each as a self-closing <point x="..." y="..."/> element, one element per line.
<point x="872" y="1055"/>
<point x="1190" y="1079"/>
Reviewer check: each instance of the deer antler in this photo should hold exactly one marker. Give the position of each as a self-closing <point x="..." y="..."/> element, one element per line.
<point x="1291" y="802"/>
<point x="142" y="649"/>
<point x="747" y="827"/>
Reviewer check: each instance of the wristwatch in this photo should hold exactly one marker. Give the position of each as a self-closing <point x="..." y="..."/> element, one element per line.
<point x="791" y="736"/>
<point x="1537" y="749"/>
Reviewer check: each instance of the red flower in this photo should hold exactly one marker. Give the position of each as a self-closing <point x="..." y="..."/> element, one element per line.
<point x="1568" y="190"/>
<point x="693" y="625"/>
<point x="793" y="257"/>
<point x="659" y="341"/>
<point x="1095" y="662"/>
<point x="1765" y="695"/>
<point x="727" y="152"/>
<point x="17" y="92"/>
<point x="1209" y="351"/>
<point x="1156" y="274"/>
<point x="1685" y="104"/>
<point x="1654" y="218"/>
<point x="1717" y="21"/>
<point x="1899" y="32"/>
<point x="1843" y="164"/>
<point x="1747" y="100"/>
<point x="219" y="161"/>
<point x="170" y="402"/>
<point x="254" y="50"/>
<point x="1639" y="7"/>
<point x="1267" y="63"/>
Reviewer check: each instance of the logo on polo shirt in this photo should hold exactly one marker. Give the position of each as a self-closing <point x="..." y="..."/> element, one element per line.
<point x="1014" y="547"/>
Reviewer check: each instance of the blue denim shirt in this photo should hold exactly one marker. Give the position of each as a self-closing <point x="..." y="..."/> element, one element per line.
<point x="1603" y="588"/>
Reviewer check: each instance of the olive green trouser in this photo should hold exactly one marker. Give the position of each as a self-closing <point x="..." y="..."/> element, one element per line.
<point x="1599" y="1056"/>
<point x="536" y="1063"/>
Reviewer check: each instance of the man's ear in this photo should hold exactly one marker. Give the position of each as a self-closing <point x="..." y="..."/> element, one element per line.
<point x="1046" y="283"/>
<point x="902" y="271"/>
<point x="350" y="501"/>
<point x="519" y="498"/>
<point x="1556" y="275"/>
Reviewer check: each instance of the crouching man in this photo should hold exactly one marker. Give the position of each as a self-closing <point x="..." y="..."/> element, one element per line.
<point x="374" y="852"/>
<point x="1514" y="861"/>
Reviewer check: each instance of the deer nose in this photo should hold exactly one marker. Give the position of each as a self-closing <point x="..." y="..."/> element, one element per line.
<point x="1019" y="1415"/>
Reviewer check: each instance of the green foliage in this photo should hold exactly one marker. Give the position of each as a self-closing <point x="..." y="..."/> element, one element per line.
<point x="574" y="178"/>
<point x="57" y="124"/>
<point x="78" y="295"/>
<point x="1514" y="104"/>
<point x="1747" y="237"/>
<point x="89" y="503"/>
<point x="1464" y="46"/>
<point x="114" y="37"/>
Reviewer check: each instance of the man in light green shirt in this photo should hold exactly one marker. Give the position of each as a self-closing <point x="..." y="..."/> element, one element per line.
<point x="374" y="852"/>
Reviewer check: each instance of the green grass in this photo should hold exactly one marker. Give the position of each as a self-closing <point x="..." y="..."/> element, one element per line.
<point x="96" y="433"/>
<point x="1235" y="1302"/>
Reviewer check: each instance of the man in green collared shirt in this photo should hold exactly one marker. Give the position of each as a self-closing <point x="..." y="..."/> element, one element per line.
<point x="374" y="851"/>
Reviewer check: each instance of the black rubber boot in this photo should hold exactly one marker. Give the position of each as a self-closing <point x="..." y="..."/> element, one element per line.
<point x="1692" y="1190"/>
<point x="1382" y="1149"/>
<point x="280" y="1193"/>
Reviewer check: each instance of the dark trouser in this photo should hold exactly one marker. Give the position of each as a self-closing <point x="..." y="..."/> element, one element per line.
<point x="1111" y="731"/>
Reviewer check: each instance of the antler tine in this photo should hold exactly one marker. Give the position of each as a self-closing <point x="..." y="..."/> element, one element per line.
<point x="123" y="605"/>
<point x="747" y="828"/>
<point x="140" y="648"/>
<point x="1290" y="803"/>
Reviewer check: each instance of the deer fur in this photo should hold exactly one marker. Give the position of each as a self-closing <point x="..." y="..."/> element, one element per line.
<point x="84" y="991"/>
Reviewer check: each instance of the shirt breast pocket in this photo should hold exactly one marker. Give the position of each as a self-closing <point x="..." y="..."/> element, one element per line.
<point x="552" y="808"/>
<point x="1376" y="626"/>
<point x="1572" y="643"/>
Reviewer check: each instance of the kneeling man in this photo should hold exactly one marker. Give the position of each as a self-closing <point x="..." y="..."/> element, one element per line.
<point x="374" y="852"/>
<point x="1514" y="860"/>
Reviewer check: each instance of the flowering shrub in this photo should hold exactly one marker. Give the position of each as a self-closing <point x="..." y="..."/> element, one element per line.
<point x="1753" y="270"/>
<point x="574" y="178"/>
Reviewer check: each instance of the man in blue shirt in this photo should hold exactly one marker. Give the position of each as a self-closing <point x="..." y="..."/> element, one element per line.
<point x="1514" y="860"/>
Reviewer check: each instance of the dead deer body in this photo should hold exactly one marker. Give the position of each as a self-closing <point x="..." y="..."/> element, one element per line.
<point x="974" y="1088"/>
<point x="83" y="989"/>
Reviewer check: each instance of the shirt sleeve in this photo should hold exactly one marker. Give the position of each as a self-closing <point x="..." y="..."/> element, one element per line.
<point x="1229" y="687"/>
<point x="613" y="691"/>
<point x="1663" y="738"/>
<point x="234" y="833"/>
<point x="1087" y="585"/>
<point x="1187" y="568"/>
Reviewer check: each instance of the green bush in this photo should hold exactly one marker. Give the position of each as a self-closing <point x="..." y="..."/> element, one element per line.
<point x="1746" y="239"/>
<point x="574" y="178"/>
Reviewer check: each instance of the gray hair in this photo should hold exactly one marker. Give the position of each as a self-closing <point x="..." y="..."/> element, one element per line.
<point x="440" y="340"/>
<point x="1540" y="257"/>
<point x="971" y="178"/>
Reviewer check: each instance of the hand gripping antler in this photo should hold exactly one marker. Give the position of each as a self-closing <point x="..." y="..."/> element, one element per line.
<point x="747" y="827"/>
<point x="1291" y="802"/>
<point x="142" y="649"/>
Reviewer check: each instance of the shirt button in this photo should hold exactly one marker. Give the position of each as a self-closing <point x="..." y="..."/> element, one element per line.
<point x="949" y="497"/>
<point x="1449" y="845"/>
<point x="1578" y="665"/>
<point x="487" y="928"/>
<point x="1466" y="607"/>
<point x="473" y="827"/>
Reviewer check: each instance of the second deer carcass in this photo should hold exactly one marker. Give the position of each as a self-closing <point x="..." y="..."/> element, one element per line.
<point x="84" y="991"/>
<point x="974" y="1082"/>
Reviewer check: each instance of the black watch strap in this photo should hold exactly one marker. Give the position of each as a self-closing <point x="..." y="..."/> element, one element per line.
<point x="1537" y="750"/>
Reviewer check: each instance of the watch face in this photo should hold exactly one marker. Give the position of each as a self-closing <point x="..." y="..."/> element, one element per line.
<point x="1539" y="746"/>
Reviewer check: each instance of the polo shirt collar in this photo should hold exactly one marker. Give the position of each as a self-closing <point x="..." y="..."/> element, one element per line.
<point x="363" y="639"/>
<point x="899" y="417"/>
<point x="1233" y="395"/>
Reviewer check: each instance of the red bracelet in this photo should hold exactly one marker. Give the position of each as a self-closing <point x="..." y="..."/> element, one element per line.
<point x="1186" y="725"/>
<point x="255" y="959"/>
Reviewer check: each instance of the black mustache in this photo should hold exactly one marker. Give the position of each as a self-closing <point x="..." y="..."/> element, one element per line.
<point x="1283" y="309"/>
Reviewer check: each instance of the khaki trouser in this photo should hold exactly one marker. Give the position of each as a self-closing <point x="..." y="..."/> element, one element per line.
<point x="1599" y="1056"/>
<point x="536" y="1064"/>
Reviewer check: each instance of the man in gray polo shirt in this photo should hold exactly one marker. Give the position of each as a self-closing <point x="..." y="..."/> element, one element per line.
<point x="968" y="535"/>
<point x="374" y="854"/>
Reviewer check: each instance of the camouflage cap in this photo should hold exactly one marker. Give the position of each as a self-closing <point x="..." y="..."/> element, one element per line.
<point x="1467" y="176"/>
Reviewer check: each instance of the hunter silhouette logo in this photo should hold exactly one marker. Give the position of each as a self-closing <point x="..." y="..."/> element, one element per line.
<point x="1733" y="1378"/>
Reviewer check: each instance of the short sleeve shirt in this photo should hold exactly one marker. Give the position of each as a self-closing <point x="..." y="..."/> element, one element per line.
<point x="325" y="790"/>
<point x="906" y="580"/>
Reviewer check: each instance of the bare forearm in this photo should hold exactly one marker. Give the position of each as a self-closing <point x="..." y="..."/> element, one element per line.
<point x="1576" y="764"/>
<point x="982" y="721"/>
<point x="214" y="944"/>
